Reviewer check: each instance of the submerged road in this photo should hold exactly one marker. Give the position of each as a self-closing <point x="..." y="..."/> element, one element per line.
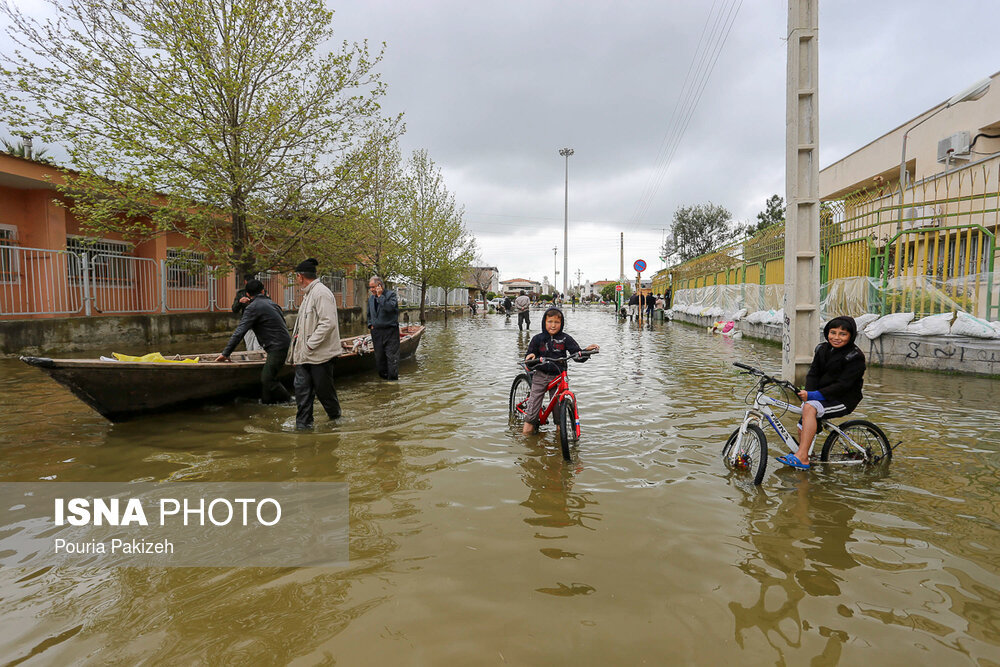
<point x="473" y="544"/>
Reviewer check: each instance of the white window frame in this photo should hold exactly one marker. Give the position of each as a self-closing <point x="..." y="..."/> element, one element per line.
<point x="180" y="261"/>
<point x="105" y="247"/>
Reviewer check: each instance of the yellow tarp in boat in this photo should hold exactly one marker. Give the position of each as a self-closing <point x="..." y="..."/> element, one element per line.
<point x="154" y="357"/>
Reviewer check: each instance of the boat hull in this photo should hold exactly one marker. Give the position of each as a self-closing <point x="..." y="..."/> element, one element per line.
<point x="122" y="390"/>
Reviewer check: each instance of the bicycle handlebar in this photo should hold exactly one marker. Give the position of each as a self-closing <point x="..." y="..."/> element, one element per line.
<point x="765" y="377"/>
<point x="531" y="363"/>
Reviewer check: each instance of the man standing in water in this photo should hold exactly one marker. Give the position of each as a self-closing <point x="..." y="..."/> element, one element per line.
<point x="263" y="317"/>
<point x="315" y="342"/>
<point x="522" y="304"/>
<point x="383" y="323"/>
<point x="239" y="304"/>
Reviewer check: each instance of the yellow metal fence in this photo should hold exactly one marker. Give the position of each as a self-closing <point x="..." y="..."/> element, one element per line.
<point x="928" y="248"/>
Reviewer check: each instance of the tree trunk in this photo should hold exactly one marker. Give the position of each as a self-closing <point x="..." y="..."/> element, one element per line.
<point x="242" y="254"/>
<point x="423" y="299"/>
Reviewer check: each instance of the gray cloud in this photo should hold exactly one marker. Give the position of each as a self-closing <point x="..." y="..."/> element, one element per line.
<point x="493" y="89"/>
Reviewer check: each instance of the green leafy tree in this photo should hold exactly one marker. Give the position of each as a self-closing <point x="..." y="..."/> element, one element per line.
<point x="773" y="214"/>
<point x="608" y="292"/>
<point x="697" y="230"/>
<point x="217" y="119"/>
<point x="439" y="249"/>
<point x="374" y="231"/>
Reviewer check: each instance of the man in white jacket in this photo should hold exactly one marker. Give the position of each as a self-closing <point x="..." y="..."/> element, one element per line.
<point x="315" y="342"/>
<point x="522" y="304"/>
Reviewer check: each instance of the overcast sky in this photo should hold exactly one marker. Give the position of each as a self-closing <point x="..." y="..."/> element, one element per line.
<point x="494" y="88"/>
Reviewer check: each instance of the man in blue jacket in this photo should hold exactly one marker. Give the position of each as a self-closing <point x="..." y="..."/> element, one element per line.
<point x="383" y="322"/>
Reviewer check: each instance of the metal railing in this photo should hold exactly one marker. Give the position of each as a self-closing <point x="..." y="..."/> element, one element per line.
<point x="119" y="284"/>
<point x="929" y="248"/>
<point x="35" y="281"/>
<point x="39" y="281"/>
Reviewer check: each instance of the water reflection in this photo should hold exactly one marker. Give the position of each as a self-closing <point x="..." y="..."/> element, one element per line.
<point x="798" y="537"/>
<point x="467" y="538"/>
<point x="550" y="493"/>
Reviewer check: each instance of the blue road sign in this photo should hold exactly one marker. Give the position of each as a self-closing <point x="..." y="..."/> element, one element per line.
<point x="640" y="265"/>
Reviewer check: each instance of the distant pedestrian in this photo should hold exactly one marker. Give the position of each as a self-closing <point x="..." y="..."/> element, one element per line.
<point x="383" y="322"/>
<point x="264" y="318"/>
<point x="522" y="304"/>
<point x="315" y="342"/>
<point x="633" y="306"/>
<point x="472" y="305"/>
<point x="666" y="298"/>
<point x="649" y="305"/>
<point x="508" y="306"/>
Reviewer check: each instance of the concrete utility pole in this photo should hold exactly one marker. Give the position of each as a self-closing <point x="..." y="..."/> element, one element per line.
<point x="802" y="260"/>
<point x="621" y="260"/>
<point x="566" y="152"/>
<point x="578" y="272"/>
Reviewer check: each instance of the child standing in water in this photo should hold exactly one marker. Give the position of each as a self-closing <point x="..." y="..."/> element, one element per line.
<point x="833" y="384"/>
<point x="552" y="343"/>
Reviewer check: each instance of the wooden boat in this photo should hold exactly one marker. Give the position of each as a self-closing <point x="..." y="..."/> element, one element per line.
<point x="121" y="390"/>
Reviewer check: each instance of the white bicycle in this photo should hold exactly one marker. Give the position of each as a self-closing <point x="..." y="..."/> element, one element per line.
<point x="855" y="442"/>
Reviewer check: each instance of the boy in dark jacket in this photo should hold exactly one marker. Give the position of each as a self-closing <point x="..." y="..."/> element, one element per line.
<point x="552" y="343"/>
<point x="833" y="384"/>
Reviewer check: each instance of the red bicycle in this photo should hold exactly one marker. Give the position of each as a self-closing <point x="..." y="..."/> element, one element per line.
<point x="563" y="402"/>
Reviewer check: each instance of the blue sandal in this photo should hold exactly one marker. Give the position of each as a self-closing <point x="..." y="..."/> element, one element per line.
<point x="793" y="461"/>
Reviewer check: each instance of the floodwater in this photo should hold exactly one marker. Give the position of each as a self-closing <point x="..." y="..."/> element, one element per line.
<point x="471" y="544"/>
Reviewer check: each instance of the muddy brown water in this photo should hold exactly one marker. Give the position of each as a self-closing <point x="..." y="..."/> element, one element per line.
<point x="471" y="544"/>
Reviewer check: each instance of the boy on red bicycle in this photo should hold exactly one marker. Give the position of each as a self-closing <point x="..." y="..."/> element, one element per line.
<point x="552" y="343"/>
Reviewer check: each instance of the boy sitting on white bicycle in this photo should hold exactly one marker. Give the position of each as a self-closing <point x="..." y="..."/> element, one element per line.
<point x="833" y="384"/>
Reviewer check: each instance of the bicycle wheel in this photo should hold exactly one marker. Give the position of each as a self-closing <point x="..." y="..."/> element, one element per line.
<point x="751" y="453"/>
<point x="568" y="425"/>
<point x="519" y="396"/>
<point x="866" y="434"/>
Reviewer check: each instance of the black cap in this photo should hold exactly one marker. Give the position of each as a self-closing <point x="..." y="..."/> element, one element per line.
<point x="307" y="266"/>
<point x="254" y="287"/>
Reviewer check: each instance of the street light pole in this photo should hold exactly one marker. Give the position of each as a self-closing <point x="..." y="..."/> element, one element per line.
<point x="973" y="92"/>
<point x="555" y="270"/>
<point x="566" y="152"/>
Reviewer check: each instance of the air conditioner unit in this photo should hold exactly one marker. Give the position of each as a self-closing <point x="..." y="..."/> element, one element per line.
<point x="910" y="217"/>
<point x="954" y="147"/>
<point x="915" y="217"/>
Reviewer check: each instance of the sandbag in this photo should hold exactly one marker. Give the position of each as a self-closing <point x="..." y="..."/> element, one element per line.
<point x="888" y="324"/>
<point x="967" y="325"/>
<point x="740" y="314"/>
<point x="861" y="321"/>
<point x="932" y="325"/>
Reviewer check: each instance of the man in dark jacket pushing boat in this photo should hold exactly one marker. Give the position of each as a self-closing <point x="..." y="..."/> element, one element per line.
<point x="265" y="319"/>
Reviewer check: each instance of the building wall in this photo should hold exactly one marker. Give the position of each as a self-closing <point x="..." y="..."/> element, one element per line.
<point x="29" y="204"/>
<point x="882" y="156"/>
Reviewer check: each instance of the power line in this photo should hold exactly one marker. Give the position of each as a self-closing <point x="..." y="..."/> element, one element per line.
<point x="702" y="64"/>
